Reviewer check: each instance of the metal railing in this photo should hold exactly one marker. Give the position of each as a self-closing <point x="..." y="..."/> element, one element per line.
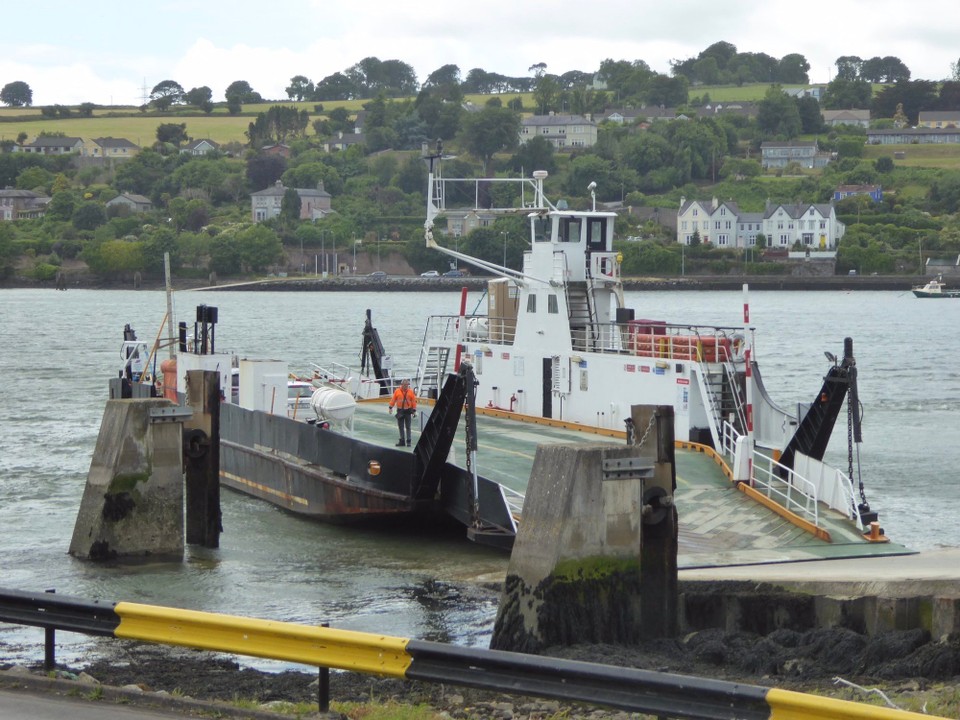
<point x="784" y="486"/>
<point x="642" y="691"/>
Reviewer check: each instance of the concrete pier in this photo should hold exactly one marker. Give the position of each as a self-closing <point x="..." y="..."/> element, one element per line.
<point x="574" y="573"/>
<point x="133" y="502"/>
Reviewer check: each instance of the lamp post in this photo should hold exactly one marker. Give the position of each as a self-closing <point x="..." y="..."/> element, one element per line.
<point x="378" y="250"/>
<point x="323" y="238"/>
<point x="456" y="246"/>
<point x="505" y="235"/>
<point x="683" y="247"/>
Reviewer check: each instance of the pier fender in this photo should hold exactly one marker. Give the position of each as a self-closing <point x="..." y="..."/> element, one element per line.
<point x="132" y="503"/>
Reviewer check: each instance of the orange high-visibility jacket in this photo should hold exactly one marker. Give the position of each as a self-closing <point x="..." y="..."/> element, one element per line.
<point x="404" y="399"/>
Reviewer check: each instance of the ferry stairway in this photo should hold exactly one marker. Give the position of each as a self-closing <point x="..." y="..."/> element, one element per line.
<point x="583" y="325"/>
<point x="438" y="434"/>
<point x="432" y="370"/>
<point x="725" y="394"/>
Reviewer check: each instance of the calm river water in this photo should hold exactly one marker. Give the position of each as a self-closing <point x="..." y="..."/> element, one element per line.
<point x="57" y="350"/>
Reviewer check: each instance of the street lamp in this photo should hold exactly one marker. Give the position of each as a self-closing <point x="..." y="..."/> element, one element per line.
<point x="456" y="246"/>
<point x="378" y="250"/>
<point x="505" y="235"/>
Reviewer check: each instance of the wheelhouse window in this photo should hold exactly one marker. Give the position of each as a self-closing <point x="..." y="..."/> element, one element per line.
<point x="531" y="303"/>
<point x="552" y="306"/>
<point x="570" y="230"/>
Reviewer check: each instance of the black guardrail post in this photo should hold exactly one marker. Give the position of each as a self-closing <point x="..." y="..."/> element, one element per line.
<point x="323" y="687"/>
<point x="49" y="645"/>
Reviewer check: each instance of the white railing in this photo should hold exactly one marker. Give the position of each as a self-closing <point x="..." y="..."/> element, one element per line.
<point x="785" y="487"/>
<point x="728" y="439"/>
<point x="514" y="502"/>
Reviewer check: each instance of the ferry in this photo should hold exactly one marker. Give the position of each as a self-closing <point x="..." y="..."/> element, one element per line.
<point x="556" y="357"/>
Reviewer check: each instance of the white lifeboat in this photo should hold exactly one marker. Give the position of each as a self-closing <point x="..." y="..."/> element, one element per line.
<point x="332" y="405"/>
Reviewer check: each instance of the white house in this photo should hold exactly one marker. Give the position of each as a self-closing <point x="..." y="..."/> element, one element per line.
<point x="723" y="224"/>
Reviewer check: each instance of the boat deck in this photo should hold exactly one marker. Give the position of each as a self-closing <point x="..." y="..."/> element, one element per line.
<point x="719" y="525"/>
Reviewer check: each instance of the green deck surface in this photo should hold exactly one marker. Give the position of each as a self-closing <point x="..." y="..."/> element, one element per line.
<point x="719" y="525"/>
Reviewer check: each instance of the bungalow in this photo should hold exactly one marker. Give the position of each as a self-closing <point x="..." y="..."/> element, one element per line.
<point x="135" y="203"/>
<point x="199" y="147"/>
<point x="266" y="203"/>
<point x="859" y="118"/>
<point x="52" y="145"/>
<point x="844" y="191"/>
<point x="914" y="136"/>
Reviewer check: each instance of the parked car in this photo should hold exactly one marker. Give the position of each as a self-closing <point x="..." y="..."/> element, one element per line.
<point x="377" y="275"/>
<point x="453" y="273"/>
<point x="430" y="273"/>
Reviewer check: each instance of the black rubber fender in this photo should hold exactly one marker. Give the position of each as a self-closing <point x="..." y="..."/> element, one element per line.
<point x="195" y="443"/>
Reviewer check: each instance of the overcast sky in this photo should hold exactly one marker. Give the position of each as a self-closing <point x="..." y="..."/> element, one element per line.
<point x="107" y="52"/>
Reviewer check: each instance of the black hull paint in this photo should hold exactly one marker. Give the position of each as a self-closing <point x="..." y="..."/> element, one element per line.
<point x="324" y="475"/>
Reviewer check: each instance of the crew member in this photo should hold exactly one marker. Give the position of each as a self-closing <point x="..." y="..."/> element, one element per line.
<point x="406" y="403"/>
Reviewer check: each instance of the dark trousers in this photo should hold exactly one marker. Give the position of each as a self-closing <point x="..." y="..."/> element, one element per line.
<point x="404" y="423"/>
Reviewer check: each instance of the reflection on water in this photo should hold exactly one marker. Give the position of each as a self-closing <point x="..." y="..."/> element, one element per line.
<point x="59" y="349"/>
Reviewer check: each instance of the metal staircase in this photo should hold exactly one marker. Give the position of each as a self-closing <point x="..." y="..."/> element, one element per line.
<point x="580" y="311"/>
<point x="725" y="394"/>
<point x="433" y="367"/>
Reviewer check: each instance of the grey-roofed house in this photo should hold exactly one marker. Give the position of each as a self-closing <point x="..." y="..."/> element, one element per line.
<point x="780" y="153"/>
<point x="723" y="224"/>
<point x="199" y="147"/>
<point x="938" y="118"/>
<point x="852" y="116"/>
<point x="136" y="203"/>
<point x="113" y="148"/>
<point x="52" y="145"/>
<point x="266" y="203"/>
<point x="913" y="136"/>
<point x="21" y="204"/>
<point x="562" y="131"/>
<point x="342" y="141"/>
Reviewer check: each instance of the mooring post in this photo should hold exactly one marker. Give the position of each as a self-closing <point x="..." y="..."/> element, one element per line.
<point x="49" y="646"/>
<point x="201" y="459"/>
<point x="658" y="545"/>
<point x="323" y="685"/>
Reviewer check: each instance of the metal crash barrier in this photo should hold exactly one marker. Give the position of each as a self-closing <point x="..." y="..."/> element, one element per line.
<point x="643" y="691"/>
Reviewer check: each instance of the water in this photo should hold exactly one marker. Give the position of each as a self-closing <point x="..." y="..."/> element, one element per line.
<point x="58" y="349"/>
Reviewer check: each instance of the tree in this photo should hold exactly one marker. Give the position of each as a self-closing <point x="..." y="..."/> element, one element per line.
<point x="258" y="247"/>
<point x="264" y="170"/>
<point x="811" y="121"/>
<point x="336" y="87"/>
<point x="300" y="88"/>
<point x="848" y="68"/>
<point x="16" y="94"/>
<point x="490" y="131"/>
<point x="914" y="95"/>
<point x="535" y="154"/>
<point x="842" y="94"/>
<point x="199" y="96"/>
<point x="793" y="68"/>
<point x="883" y="164"/>
<point x="89" y="216"/>
<point x="175" y="133"/>
<point x="777" y="114"/>
<point x="234" y="105"/>
<point x="241" y="90"/>
<point x="546" y="95"/>
<point x="290" y="206"/>
<point x="166" y="93"/>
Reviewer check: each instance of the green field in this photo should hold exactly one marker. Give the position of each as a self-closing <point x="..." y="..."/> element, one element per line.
<point x="136" y="129"/>
<point x="945" y="157"/>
